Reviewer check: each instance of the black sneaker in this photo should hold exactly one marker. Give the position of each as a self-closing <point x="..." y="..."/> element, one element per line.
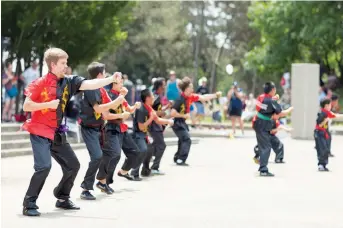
<point x="30" y="212"/>
<point x="266" y="174"/>
<point x="86" y="195"/>
<point x="137" y="178"/>
<point x="66" y="205"/>
<point x="127" y="176"/>
<point x="145" y="172"/>
<point x="104" y="188"/>
<point x="279" y="161"/>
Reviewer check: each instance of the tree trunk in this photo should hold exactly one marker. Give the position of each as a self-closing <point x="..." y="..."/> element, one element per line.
<point x="213" y="80"/>
<point x="198" y="41"/>
<point x="20" y="85"/>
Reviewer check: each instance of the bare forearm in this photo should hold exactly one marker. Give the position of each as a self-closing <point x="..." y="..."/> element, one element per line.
<point x="162" y="121"/>
<point x="31" y="106"/>
<point x="131" y="109"/>
<point x="95" y="83"/>
<point x="207" y="97"/>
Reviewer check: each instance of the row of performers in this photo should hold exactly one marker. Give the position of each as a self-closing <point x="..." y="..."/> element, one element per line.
<point x="46" y="99"/>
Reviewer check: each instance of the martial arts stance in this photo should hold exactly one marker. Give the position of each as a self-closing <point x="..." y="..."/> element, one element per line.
<point x="46" y="99"/>
<point x="94" y="107"/>
<point x="322" y="136"/>
<point x="266" y="107"/>
<point x="158" y="146"/>
<point x="118" y="137"/>
<point x="277" y="145"/>
<point x="180" y="111"/>
<point x="144" y="116"/>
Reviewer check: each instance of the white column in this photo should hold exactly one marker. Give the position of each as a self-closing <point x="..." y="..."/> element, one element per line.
<point x="305" y="99"/>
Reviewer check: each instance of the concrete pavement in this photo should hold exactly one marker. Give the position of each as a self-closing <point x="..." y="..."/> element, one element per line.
<point x="220" y="189"/>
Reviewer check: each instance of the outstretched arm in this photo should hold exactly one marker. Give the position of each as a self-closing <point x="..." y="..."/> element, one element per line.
<point x="99" y="83"/>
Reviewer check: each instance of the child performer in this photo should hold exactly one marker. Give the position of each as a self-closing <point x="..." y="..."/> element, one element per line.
<point x="277" y="145"/>
<point x="181" y="112"/>
<point x="322" y="135"/>
<point x="142" y="120"/>
<point x="93" y="104"/>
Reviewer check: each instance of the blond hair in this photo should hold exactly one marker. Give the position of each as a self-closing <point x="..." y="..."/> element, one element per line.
<point x="52" y="55"/>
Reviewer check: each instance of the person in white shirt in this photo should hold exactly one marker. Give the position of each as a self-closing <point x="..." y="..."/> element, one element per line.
<point x="30" y="74"/>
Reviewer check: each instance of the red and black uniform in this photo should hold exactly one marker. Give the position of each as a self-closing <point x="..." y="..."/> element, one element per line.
<point x="322" y="137"/>
<point x="277" y="145"/>
<point x="48" y="137"/>
<point x="158" y="146"/>
<point x="266" y="107"/>
<point x="92" y="131"/>
<point x="117" y="138"/>
<point x="182" y="105"/>
<point x="141" y="137"/>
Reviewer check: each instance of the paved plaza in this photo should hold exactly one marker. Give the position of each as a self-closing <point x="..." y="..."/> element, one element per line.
<point x="220" y="189"/>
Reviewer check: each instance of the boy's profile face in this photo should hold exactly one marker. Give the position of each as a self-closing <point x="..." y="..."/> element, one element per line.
<point x="327" y="107"/>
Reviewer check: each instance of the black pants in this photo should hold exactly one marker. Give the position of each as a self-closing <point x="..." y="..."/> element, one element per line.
<point x="184" y="144"/>
<point x="111" y="154"/>
<point x="91" y="136"/>
<point x="322" y="147"/>
<point x="277" y="147"/>
<point x="43" y="148"/>
<point x="131" y="152"/>
<point x="140" y="140"/>
<point x="264" y="141"/>
<point x="156" y="149"/>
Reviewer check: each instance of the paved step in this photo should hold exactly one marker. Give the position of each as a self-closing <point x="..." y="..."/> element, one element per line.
<point x="23" y="143"/>
<point x="7" y="136"/>
<point x="76" y="146"/>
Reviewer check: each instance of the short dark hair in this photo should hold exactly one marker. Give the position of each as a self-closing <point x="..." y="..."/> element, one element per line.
<point x="144" y="94"/>
<point x="268" y="87"/>
<point x="324" y="102"/>
<point x="158" y="83"/>
<point x="184" y="83"/>
<point x="334" y="97"/>
<point x="95" y="68"/>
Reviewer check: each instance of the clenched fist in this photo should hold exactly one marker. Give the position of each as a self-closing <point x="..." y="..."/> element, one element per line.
<point x="54" y="104"/>
<point x="123" y="91"/>
<point x="138" y="104"/>
<point x="125" y="115"/>
<point x="171" y="122"/>
<point x="218" y="94"/>
<point x="187" y="116"/>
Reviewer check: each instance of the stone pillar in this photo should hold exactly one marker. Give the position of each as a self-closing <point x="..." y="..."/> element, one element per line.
<point x="305" y="95"/>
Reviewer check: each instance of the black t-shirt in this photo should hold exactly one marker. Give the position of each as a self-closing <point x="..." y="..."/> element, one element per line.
<point x="66" y="88"/>
<point x="182" y="106"/>
<point x="157" y="106"/>
<point x="267" y="106"/>
<point x="88" y="115"/>
<point x="141" y="116"/>
<point x="321" y="116"/>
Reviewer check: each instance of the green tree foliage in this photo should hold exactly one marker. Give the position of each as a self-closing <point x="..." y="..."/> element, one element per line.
<point x="83" y="29"/>
<point x="157" y="42"/>
<point x="297" y="32"/>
